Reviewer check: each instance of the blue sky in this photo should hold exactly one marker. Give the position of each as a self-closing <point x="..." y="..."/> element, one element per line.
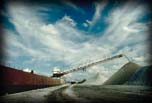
<point x="42" y="36"/>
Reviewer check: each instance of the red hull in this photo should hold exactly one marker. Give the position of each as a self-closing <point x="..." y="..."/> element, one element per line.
<point x="17" y="80"/>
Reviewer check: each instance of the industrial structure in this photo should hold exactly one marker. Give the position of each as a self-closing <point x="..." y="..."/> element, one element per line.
<point x="13" y="80"/>
<point x="58" y="73"/>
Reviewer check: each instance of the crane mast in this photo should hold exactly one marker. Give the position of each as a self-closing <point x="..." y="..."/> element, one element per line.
<point x="89" y="65"/>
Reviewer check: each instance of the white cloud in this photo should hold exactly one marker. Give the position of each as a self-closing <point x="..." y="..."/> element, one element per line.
<point x="99" y="6"/>
<point x="69" y="3"/>
<point x="27" y="70"/>
<point x="88" y="22"/>
<point x="62" y="42"/>
<point x="50" y="29"/>
<point x="129" y="29"/>
<point x="68" y="21"/>
<point x="85" y="25"/>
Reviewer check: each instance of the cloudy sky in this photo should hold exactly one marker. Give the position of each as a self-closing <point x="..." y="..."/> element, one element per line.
<point x="41" y="36"/>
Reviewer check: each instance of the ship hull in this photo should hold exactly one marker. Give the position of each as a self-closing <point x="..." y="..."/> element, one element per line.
<point x="13" y="80"/>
